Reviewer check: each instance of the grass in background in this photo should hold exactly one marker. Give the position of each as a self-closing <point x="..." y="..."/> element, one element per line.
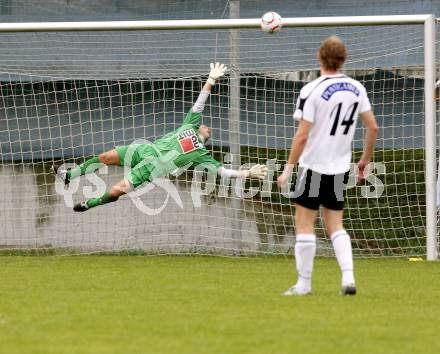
<point x="120" y="304"/>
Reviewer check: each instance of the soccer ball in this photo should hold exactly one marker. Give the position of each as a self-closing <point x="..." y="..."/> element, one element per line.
<point x="271" y="22"/>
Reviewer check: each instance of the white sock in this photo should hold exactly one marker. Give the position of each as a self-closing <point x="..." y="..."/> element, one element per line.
<point x="305" y="249"/>
<point x="342" y="246"/>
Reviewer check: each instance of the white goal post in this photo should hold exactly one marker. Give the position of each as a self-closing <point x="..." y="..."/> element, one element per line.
<point x="233" y="137"/>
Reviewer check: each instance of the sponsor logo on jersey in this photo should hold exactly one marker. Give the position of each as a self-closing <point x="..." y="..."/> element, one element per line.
<point x="188" y="140"/>
<point x="339" y="86"/>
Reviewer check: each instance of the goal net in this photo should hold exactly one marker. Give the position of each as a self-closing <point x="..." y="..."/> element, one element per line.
<point x="68" y="96"/>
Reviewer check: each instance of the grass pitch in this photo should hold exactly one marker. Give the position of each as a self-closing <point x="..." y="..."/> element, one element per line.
<point x="126" y="304"/>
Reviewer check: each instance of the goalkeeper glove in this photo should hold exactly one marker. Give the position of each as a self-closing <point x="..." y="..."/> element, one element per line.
<point x="217" y="71"/>
<point x="257" y="171"/>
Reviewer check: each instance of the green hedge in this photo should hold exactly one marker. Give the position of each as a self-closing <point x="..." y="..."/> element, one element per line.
<point x="393" y="224"/>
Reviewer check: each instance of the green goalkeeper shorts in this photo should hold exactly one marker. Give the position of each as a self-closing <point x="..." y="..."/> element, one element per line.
<point x="134" y="151"/>
<point x="135" y="155"/>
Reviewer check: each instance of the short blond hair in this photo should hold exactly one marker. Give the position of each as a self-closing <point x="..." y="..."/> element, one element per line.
<point x="332" y="53"/>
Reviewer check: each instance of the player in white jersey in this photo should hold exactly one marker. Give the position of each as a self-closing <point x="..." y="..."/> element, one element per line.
<point x="327" y="111"/>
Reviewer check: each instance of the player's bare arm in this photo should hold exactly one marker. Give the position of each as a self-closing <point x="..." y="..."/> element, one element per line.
<point x="298" y="142"/>
<point x="369" y="121"/>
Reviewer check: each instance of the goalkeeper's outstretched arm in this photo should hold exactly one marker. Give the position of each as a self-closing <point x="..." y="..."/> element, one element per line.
<point x="257" y="171"/>
<point x="217" y="71"/>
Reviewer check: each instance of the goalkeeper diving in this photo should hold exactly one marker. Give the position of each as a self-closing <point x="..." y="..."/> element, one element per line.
<point x="178" y="150"/>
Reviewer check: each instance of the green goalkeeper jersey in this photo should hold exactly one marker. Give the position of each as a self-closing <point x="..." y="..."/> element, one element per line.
<point x="179" y="149"/>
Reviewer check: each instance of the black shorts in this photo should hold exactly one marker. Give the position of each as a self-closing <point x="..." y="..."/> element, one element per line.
<point x="313" y="189"/>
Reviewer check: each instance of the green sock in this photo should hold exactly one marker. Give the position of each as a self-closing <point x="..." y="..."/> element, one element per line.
<point x="84" y="168"/>
<point x="104" y="199"/>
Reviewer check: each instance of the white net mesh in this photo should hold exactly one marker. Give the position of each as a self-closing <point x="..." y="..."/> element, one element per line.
<point x="68" y="96"/>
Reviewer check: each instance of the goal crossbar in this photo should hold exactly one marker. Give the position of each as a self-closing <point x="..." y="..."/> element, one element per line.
<point x="212" y="24"/>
